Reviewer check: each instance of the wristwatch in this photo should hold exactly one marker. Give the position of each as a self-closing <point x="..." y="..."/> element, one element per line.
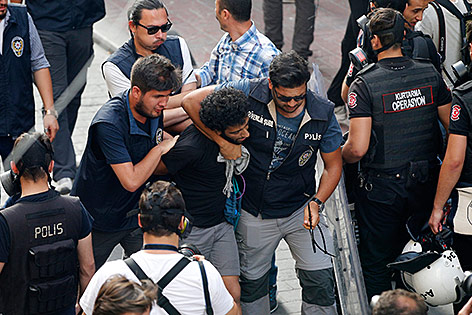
<point x="320" y="205"/>
<point x="49" y="112"/>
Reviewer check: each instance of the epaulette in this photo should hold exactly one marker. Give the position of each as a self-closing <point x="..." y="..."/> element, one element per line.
<point x="367" y="68"/>
<point x="464" y="87"/>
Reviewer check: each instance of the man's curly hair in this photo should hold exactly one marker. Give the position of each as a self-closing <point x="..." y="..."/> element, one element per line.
<point x="224" y="108"/>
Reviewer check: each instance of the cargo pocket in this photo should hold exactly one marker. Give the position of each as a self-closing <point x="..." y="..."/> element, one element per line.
<point x="52" y="296"/>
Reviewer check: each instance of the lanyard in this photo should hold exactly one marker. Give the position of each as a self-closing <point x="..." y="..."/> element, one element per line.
<point x="160" y="247"/>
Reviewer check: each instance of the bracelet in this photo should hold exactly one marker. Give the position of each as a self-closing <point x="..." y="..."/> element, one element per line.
<point x="320" y="205"/>
<point x="49" y="112"/>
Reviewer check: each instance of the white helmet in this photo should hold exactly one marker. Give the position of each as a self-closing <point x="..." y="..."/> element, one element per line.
<point x="439" y="283"/>
<point x="412" y="246"/>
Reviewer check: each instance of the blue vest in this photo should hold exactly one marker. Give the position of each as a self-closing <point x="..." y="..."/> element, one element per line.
<point x="65" y="15"/>
<point x="96" y="183"/>
<point x="126" y="55"/>
<point x="16" y="84"/>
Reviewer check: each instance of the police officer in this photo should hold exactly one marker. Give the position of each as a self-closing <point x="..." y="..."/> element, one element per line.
<point x="288" y="125"/>
<point x="43" y="238"/>
<point x="124" y="146"/>
<point x="149" y="22"/>
<point x="415" y="45"/>
<point x="455" y="178"/>
<point x="22" y="59"/>
<point x="394" y="107"/>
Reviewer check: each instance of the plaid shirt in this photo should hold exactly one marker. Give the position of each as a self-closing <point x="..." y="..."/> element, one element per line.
<point x="247" y="57"/>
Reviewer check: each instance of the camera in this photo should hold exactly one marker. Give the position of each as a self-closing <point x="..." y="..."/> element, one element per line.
<point x="461" y="73"/>
<point x="189" y="250"/>
<point x="10" y="182"/>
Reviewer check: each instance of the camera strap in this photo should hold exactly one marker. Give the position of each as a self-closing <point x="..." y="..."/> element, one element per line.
<point x="163" y="301"/>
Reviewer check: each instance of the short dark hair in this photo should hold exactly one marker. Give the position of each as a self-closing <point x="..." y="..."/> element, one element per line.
<point x="119" y="295"/>
<point x="289" y="70"/>
<point x="390" y="303"/>
<point x="399" y="5"/>
<point x="166" y="196"/>
<point x="239" y="9"/>
<point x="224" y="108"/>
<point x="32" y="154"/>
<point x="384" y="19"/>
<point x="155" y="72"/>
<point x="136" y="10"/>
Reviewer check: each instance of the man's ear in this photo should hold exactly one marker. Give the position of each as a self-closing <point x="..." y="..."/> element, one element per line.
<point x="139" y="220"/>
<point x="270" y="83"/>
<point x="132" y="27"/>
<point x="51" y="166"/>
<point x="136" y="92"/>
<point x="470" y="50"/>
<point x="375" y="41"/>
<point x="225" y="14"/>
<point x="14" y="168"/>
<point x="182" y="223"/>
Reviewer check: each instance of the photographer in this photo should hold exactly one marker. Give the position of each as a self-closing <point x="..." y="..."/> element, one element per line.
<point x="162" y="219"/>
<point x="43" y="238"/>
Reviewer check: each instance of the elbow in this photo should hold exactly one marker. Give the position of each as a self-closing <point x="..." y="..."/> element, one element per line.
<point x="454" y="166"/>
<point x="130" y="185"/>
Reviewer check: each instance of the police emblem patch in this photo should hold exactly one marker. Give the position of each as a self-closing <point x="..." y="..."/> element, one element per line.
<point x="304" y="157"/>
<point x="17" y="45"/>
<point x="159" y="135"/>
<point x="352" y="100"/>
<point x="455" y="112"/>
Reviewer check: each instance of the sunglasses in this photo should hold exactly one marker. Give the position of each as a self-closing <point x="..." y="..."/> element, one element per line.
<point x="151" y="30"/>
<point x="287" y="99"/>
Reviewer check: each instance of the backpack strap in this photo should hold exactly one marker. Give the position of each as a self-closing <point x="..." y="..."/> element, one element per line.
<point x="453" y="9"/>
<point x="442" y="31"/>
<point x="162" y="301"/>
<point x="209" y="309"/>
<point x="139" y="273"/>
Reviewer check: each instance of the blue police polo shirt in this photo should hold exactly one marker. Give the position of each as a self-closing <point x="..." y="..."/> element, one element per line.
<point x="113" y="138"/>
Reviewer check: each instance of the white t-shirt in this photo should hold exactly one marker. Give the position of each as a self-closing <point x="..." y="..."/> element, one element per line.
<point x="430" y="25"/>
<point x="117" y="82"/>
<point x="185" y="291"/>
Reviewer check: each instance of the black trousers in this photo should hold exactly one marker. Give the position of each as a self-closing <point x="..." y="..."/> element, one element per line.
<point x="383" y="207"/>
<point x="69" y="54"/>
<point x="358" y="8"/>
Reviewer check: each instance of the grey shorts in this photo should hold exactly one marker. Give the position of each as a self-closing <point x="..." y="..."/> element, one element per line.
<point x="258" y="238"/>
<point x="218" y="245"/>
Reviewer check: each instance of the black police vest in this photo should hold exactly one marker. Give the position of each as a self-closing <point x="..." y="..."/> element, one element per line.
<point x="279" y="193"/>
<point x="404" y="115"/>
<point x="464" y="94"/>
<point x="41" y="274"/>
<point x="16" y="85"/>
<point x="126" y="55"/>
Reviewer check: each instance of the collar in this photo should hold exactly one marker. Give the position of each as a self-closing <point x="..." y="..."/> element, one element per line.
<point x="133" y="126"/>
<point x="8" y="17"/>
<point x="246" y="37"/>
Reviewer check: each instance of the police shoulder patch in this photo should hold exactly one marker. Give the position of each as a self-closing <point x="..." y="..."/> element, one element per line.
<point x="352" y="100"/>
<point x="17" y="45"/>
<point x="455" y="112"/>
<point x="304" y="157"/>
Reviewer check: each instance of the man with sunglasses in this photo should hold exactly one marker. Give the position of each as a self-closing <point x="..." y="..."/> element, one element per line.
<point x="148" y="25"/>
<point x="394" y="109"/>
<point x="288" y="124"/>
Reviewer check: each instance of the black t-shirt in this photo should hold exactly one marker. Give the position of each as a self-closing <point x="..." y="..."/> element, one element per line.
<point x="201" y="179"/>
<point x="359" y="100"/>
<point x="459" y="122"/>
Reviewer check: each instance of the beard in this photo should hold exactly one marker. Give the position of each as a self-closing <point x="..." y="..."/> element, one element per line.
<point x="140" y="109"/>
